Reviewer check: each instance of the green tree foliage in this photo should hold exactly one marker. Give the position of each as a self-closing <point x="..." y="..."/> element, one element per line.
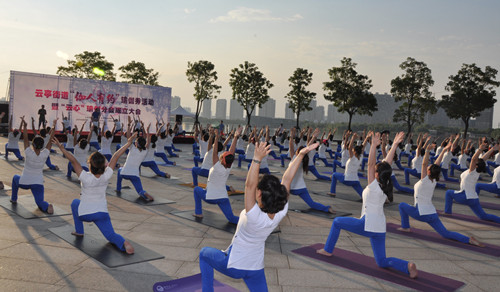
<point x="472" y="91"/>
<point x="90" y="65"/>
<point x="412" y="88"/>
<point x="250" y="87"/>
<point x="298" y="97"/>
<point x="203" y="74"/>
<point x="348" y="90"/>
<point x="137" y="73"/>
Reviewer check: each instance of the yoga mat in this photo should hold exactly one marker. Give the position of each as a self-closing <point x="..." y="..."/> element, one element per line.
<point x="12" y="158"/>
<point x="366" y="265"/>
<point x="467" y="218"/>
<point x="27" y="208"/>
<point x="6" y="187"/>
<point x="202" y="185"/>
<point x="491" y="206"/>
<point x="132" y="196"/>
<point x="433" y="236"/>
<point x="190" y="284"/>
<point x="103" y="251"/>
<point x="321" y="214"/>
<point x="348" y="197"/>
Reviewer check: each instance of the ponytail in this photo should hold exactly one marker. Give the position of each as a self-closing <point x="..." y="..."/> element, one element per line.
<point x="384" y="171"/>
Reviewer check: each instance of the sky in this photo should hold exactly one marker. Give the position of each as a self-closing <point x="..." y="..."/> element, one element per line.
<point x="278" y="36"/>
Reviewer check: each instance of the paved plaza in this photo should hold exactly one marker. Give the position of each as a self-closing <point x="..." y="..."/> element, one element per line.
<point x="34" y="259"/>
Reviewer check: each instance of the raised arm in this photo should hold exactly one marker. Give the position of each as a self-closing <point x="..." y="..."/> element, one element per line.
<point x="237" y="134"/>
<point x="10" y="123"/>
<point x="351" y="144"/>
<point x="215" y="153"/>
<point x="475" y="158"/>
<point x="24" y="126"/>
<point x="103" y="126"/>
<point x="148" y="135"/>
<point x="253" y="175"/>
<point x="117" y="154"/>
<point x="397" y="140"/>
<point x="294" y="165"/>
<point x="210" y="139"/>
<point x="52" y="133"/>
<point x="33" y="127"/>
<point x="291" y="142"/>
<point x="372" y="157"/>
<point x="76" y="165"/>
<point x="419" y="144"/>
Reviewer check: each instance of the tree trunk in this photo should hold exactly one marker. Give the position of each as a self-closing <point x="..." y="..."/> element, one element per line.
<point x="298" y="115"/>
<point x="350" y="119"/>
<point x="248" y="119"/>
<point x="198" y="109"/>
<point x="466" y="121"/>
<point x="409" y="128"/>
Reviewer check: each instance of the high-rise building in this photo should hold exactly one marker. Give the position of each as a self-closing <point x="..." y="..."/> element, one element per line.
<point x="206" y="111"/>
<point x="235" y="111"/>
<point x="268" y="110"/>
<point x="175" y="102"/>
<point x="319" y="114"/>
<point x="309" y="115"/>
<point x="220" y="109"/>
<point x="289" y="114"/>
<point x="330" y="113"/>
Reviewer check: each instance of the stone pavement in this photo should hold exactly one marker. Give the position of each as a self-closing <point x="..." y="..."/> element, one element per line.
<point x="33" y="259"/>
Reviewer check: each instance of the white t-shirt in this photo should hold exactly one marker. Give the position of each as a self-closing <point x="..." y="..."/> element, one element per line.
<point x="123" y="139"/>
<point x="311" y="158"/>
<point x="94" y="137"/>
<point x="66" y="124"/>
<point x="81" y="155"/>
<point x="468" y="182"/>
<point x="150" y="155"/>
<point x="169" y="140"/>
<point x="322" y="151"/>
<point x="445" y="164"/>
<point x="208" y="160"/>
<point x="134" y="159"/>
<point x="106" y="145"/>
<point x="408" y="148"/>
<point x="344" y="156"/>
<point x="497" y="159"/>
<point x="33" y="167"/>
<point x="438" y="150"/>
<point x="70" y="140"/>
<point x="263" y="162"/>
<point x="373" y="208"/>
<point x="496" y="176"/>
<point x="462" y="160"/>
<point x="118" y="125"/>
<point x="239" y="144"/>
<point x="351" y="169"/>
<point x="203" y="148"/>
<point x="93" y="193"/>
<point x="298" y="180"/>
<point x="160" y="145"/>
<point x="248" y="244"/>
<point x="424" y="191"/>
<point x="216" y="183"/>
<point x="416" y="163"/>
<point x="13" y="141"/>
<point x="250" y="150"/>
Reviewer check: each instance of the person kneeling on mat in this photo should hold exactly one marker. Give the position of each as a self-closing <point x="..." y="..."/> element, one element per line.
<point x="216" y="192"/>
<point x="92" y="205"/>
<point x="266" y="203"/>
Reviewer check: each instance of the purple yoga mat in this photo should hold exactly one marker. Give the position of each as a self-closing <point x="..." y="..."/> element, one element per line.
<point x="366" y="265"/>
<point x="467" y="218"/>
<point x="489" y="249"/>
<point x="190" y="284"/>
<point x="491" y="206"/>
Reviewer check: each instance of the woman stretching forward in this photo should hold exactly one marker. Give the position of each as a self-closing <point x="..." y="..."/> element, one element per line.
<point x="92" y="205"/>
<point x="372" y="221"/>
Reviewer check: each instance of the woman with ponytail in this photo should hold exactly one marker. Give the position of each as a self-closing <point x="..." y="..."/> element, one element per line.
<point x="92" y="204"/>
<point x="81" y="153"/>
<point x="149" y="160"/>
<point x="372" y="221"/>
<point x="106" y="140"/>
<point x="13" y="143"/>
<point x="32" y="176"/>
<point x="266" y="203"/>
<point x="130" y="169"/>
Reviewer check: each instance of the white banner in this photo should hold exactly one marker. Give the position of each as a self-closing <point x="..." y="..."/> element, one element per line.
<point x="78" y="98"/>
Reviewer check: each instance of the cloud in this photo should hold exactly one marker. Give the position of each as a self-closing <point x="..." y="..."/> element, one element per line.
<point x="189" y="11"/>
<point x="448" y="38"/>
<point x="62" y="55"/>
<point x="244" y="14"/>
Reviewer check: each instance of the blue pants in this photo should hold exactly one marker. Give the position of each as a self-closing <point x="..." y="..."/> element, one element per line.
<point x="197" y="159"/>
<point x="13" y="150"/>
<point x="164" y="157"/>
<point x="224" y="204"/>
<point x="49" y="163"/>
<point x="337" y="163"/>
<point x="103" y="222"/>
<point x="197" y="171"/>
<point x="399" y="187"/>
<point x="491" y="187"/>
<point x="242" y="158"/>
<point x="36" y="190"/>
<point x="72" y="150"/>
<point x="95" y="145"/>
<point x="195" y="147"/>
<point x="314" y="171"/>
<point x="377" y="240"/>
<point x="154" y="167"/>
<point x="282" y="158"/>
<point x="169" y="151"/>
<point x="445" y="175"/>
<point x="136" y="181"/>
<point x="273" y="154"/>
<point x="330" y="151"/>
<point x="108" y="156"/>
<point x="413" y="172"/>
<point x="283" y="148"/>
<point x="363" y="163"/>
<point x="327" y="164"/>
<point x="398" y="164"/>
<point x="304" y="195"/>
<point x="264" y="170"/>
<point x="175" y="149"/>
<point x="212" y="258"/>
<point x="472" y="203"/>
<point x="432" y="219"/>
<point x="341" y="178"/>
<point x="118" y="146"/>
<point x="196" y="152"/>
<point x="454" y="166"/>
<point x="71" y="169"/>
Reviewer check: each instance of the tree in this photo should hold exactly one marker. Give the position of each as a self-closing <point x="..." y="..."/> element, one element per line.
<point x="137" y="73"/>
<point x="250" y="87"/>
<point x="90" y="65"/>
<point x="203" y="74"/>
<point x="348" y="90"/>
<point x="413" y="89"/>
<point x="299" y="98"/>
<point x="472" y="91"/>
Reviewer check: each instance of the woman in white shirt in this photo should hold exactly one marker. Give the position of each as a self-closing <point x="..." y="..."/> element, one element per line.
<point x="159" y="150"/>
<point x="468" y="179"/>
<point x="13" y="142"/>
<point x="32" y="176"/>
<point x="81" y="155"/>
<point x="130" y="170"/>
<point x="149" y="160"/>
<point x="462" y="158"/>
<point x="93" y="137"/>
<point x="343" y="153"/>
<point x="494" y="186"/>
<point x="46" y="140"/>
<point x="106" y="140"/>
<point x="266" y="203"/>
<point x="92" y="205"/>
<point x="423" y="209"/>
<point x="372" y="222"/>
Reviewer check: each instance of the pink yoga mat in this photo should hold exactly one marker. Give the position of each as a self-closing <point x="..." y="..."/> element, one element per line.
<point x="467" y="218"/>
<point x="190" y="284"/>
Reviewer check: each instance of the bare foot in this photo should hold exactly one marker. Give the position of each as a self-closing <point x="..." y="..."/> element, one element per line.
<point x="330" y="210"/>
<point x="1" y="186"/>
<point x="167" y="175"/>
<point x="128" y="247"/>
<point x="50" y="209"/>
<point x="174" y="163"/>
<point x="331" y="194"/>
<point x="77" y="234"/>
<point x="57" y="167"/>
<point x="231" y="189"/>
<point x="474" y="241"/>
<point x="13" y="202"/>
<point x="404" y="229"/>
<point x="149" y="198"/>
<point x="412" y="269"/>
<point x="323" y="252"/>
<point x="198" y="215"/>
